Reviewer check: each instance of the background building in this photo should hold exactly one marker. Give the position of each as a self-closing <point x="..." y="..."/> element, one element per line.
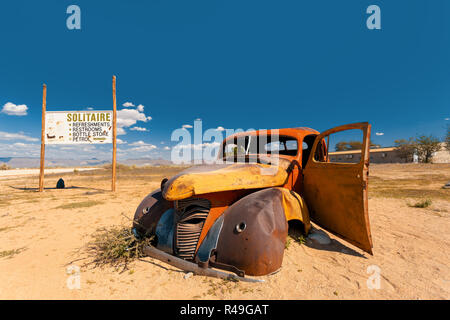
<point x="385" y="155"/>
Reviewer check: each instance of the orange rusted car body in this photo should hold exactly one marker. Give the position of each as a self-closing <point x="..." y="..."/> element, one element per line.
<point x="303" y="185"/>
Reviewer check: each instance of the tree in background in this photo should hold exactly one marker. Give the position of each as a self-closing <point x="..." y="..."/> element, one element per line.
<point x="352" y="145"/>
<point x="426" y="146"/>
<point x="406" y="149"/>
<point x="348" y="145"/>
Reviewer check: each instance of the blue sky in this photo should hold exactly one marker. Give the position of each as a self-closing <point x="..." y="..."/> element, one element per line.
<point x="234" y="64"/>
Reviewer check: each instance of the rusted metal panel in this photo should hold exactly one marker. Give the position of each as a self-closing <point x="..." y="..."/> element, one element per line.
<point x="149" y="212"/>
<point x="190" y="217"/>
<point x="295" y="208"/>
<point x="253" y="208"/>
<point x="164" y="231"/>
<point x="254" y="233"/>
<point x="336" y="193"/>
<point x="293" y="204"/>
<point x="210" y="241"/>
<point x="220" y="201"/>
<point x="223" y="177"/>
<point x="192" y="267"/>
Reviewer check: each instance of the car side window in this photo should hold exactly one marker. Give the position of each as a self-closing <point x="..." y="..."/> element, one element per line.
<point x="341" y="147"/>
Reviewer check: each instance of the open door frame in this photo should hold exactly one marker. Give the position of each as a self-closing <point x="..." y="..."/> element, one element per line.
<point x="336" y="193"/>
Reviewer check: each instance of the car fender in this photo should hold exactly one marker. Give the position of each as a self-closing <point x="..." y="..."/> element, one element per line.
<point x="149" y="212"/>
<point x="253" y="235"/>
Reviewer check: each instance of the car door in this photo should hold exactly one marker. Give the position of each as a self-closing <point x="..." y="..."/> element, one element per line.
<point x="336" y="193"/>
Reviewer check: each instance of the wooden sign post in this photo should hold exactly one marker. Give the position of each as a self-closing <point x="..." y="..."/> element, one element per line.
<point x="41" y="173"/>
<point x="68" y="131"/>
<point x="113" y="183"/>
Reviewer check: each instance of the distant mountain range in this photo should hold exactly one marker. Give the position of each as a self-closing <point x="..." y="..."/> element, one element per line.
<point x="146" y="162"/>
<point x="24" y="162"/>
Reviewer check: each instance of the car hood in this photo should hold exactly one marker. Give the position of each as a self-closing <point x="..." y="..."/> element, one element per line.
<point x="225" y="177"/>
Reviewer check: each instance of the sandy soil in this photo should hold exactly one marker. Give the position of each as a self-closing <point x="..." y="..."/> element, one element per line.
<point x="39" y="238"/>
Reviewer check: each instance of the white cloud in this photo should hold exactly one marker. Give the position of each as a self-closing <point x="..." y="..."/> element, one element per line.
<point x="379" y="133"/>
<point x="20" y="149"/>
<point x="121" y="131"/>
<point x="138" y="129"/>
<point x="128" y="104"/>
<point x="141" y="143"/>
<point x="16" y="136"/>
<point x="139" y="147"/>
<point x="89" y="108"/>
<point x="143" y="148"/>
<point x="166" y="148"/>
<point x="129" y="117"/>
<point x="19" y="144"/>
<point x="76" y="152"/>
<point x="198" y="146"/>
<point x="140" y="108"/>
<point x="14" y="110"/>
<point x="186" y="126"/>
<point x="120" y="141"/>
<point x="138" y="143"/>
<point x="446" y="119"/>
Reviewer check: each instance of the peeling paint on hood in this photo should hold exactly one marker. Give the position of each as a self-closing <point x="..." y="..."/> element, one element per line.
<point x="225" y="177"/>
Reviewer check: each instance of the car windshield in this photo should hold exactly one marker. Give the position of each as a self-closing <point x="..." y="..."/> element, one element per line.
<point x="251" y="146"/>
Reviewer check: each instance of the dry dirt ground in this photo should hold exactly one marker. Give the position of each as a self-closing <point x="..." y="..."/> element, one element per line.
<point x="41" y="234"/>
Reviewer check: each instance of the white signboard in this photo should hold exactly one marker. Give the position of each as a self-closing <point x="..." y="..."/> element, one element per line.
<point x="74" y="127"/>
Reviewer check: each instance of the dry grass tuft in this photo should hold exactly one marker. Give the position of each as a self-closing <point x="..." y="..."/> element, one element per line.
<point x="119" y="167"/>
<point x="221" y="287"/>
<point x="297" y="238"/>
<point x="115" y="246"/>
<point x="4" y="166"/>
<point x="419" y="186"/>
<point x="83" y="204"/>
<point x="295" y="234"/>
<point x="421" y="204"/>
<point x="8" y="228"/>
<point x="11" y="253"/>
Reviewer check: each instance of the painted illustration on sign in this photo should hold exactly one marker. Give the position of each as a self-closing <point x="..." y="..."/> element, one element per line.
<point x="75" y="127"/>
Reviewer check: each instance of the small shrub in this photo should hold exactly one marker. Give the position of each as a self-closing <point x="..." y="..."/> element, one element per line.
<point x="115" y="246"/>
<point x="292" y="236"/>
<point x="422" y="204"/>
<point x="288" y="243"/>
<point x="4" y="166"/>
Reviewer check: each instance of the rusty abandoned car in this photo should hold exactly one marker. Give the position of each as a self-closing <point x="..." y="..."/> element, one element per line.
<point x="235" y="215"/>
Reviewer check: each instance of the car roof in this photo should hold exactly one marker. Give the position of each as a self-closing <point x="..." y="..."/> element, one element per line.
<point x="298" y="132"/>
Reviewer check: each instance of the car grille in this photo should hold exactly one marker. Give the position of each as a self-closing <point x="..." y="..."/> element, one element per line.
<point x="191" y="215"/>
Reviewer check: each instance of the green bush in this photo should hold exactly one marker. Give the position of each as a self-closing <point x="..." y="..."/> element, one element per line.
<point x="422" y="204"/>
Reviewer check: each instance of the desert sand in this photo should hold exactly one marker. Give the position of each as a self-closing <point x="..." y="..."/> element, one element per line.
<point x="43" y="234"/>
